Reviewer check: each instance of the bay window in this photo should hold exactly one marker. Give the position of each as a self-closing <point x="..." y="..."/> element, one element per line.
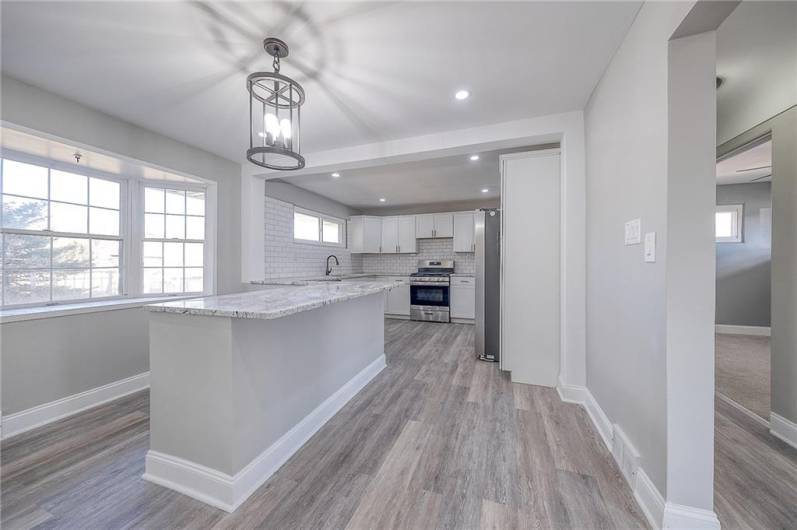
<point x="69" y="234"/>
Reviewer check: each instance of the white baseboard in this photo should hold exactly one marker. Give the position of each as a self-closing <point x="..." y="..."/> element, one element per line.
<point x="761" y="331"/>
<point x="680" y="517"/>
<point x="228" y="492"/>
<point x="649" y="498"/>
<point x="40" y="415"/>
<point x="783" y="429"/>
<point x="660" y="514"/>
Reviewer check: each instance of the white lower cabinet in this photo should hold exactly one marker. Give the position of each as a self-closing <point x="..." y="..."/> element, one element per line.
<point x="463" y="297"/>
<point x="398" y="298"/>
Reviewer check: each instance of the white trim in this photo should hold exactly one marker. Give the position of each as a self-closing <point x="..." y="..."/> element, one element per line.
<point x="727" y="329"/>
<point x="680" y="517"/>
<point x="79" y="308"/>
<point x="228" y="492"/>
<point x="750" y="414"/>
<point x="40" y="415"/>
<point x="783" y="429"/>
<point x="660" y="514"/>
<point x="649" y="498"/>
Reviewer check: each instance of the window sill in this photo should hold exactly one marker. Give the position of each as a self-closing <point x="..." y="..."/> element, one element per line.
<point x="52" y="311"/>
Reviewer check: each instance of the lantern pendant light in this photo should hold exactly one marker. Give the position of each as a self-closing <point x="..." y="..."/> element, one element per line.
<point x="275" y="103"/>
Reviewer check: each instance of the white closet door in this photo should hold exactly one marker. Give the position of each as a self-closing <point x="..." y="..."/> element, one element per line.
<point x="530" y="259"/>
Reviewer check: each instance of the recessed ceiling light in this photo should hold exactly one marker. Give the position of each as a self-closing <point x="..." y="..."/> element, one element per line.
<point x="462" y="94"/>
<point x="474" y="157"/>
<point x="382" y="199"/>
<point x="485" y="190"/>
<point x="335" y="175"/>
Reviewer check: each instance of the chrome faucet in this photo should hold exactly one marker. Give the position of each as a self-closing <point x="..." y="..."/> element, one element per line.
<point x="329" y="269"/>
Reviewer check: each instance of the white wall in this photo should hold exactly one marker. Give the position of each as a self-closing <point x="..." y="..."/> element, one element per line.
<point x="757" y="58"/>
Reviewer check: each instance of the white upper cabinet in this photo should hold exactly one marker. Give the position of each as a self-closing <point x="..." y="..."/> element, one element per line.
<point x="406" y="234"/>
<point x="365" y="234"/>
<point x="398" y="234"/>
<point x="463" y="232"/>
<point x="434" y="225"/>
<point x="424" y="226"/>
<point x="444" y="225"/>
<point x="390" y="235"/>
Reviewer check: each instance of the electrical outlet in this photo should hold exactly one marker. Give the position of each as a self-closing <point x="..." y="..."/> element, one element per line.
<point x="633" y="232"/>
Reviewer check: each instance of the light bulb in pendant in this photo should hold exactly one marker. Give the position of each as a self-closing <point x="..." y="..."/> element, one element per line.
<point x="272" y="126"/>
<point x="285" y="127"/>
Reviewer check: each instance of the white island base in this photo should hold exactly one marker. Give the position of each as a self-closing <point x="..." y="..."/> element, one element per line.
<point x="233" y="398"/>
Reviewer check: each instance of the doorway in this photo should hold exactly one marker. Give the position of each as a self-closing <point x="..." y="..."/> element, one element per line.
<point x="743" y="232"/>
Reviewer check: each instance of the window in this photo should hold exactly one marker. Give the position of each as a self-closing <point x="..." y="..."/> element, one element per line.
<point x="61" y="235"/>
<point x="313" y="227"/>
<point x="728" y="220"/>
<point x="173" y="249"/>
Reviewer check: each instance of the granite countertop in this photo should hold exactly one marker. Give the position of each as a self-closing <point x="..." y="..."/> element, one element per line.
<point x="276" y="301"/>
<point x="465" y="274"/>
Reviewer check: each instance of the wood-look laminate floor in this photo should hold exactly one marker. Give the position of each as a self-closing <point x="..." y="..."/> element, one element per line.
<point x="437" y="440"/>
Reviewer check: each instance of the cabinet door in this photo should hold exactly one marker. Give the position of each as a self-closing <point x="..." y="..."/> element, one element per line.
<point x="463" y="301"/>
<point x="406" y="234"/>
<point x="463" y="232"/>
<point x="398" y="300"/>
<point x="390" y="235"/>
<point x="424" y="225"/>
<point x="372" y="234"/>
<point x="443" y="225"/>
<point x="355" y="234"/>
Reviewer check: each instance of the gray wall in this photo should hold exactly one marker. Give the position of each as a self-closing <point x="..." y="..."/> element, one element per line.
<point x="48" y="359"/>
<point x="744" y="269"/>
<point x="783" y="128"/>
<point x="626" y="140"/>
<point x="287" y="192"/>
<point x="43" y="111"/>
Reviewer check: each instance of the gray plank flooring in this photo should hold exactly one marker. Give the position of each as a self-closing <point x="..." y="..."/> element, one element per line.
<point x="437" y="440"/>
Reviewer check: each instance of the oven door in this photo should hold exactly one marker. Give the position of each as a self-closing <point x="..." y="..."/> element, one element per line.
<point x="429" y="295"/>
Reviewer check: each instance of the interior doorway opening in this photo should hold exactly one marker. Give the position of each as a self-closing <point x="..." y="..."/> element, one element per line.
<point x="743" y="232"/>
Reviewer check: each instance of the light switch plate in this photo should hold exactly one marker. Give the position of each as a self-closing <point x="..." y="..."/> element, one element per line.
<point x="633" y="232"/>
<point x="650" y="247"/>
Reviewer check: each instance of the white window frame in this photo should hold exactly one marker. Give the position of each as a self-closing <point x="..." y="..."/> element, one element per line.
<point x="131" y="230"/>
<point x="123" y="236"/>
<point x="209" y="249"/>
<point x="321" y="218"/>
<point x="737" y="211"/>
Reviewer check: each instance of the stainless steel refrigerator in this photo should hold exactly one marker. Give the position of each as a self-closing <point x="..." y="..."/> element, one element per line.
<point x="488" y="284"/>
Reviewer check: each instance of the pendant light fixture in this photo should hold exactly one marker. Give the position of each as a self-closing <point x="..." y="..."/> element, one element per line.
<point x="275" y="103"/>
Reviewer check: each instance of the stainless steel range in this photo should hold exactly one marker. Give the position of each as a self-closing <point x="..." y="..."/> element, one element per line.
<point x="430" y="290"/>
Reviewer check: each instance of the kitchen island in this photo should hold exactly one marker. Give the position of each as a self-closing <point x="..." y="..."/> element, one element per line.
<point x="238" y="383"/>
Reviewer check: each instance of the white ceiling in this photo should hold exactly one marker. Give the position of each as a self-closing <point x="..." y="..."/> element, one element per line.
<point x="440" y="180"/>
<point x="372" y="71"/>
<point x="749" y="165"/>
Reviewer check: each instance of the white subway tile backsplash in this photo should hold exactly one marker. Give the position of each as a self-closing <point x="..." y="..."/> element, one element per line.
<point x="427" y="249"/>
<point x="286" y="258"/>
